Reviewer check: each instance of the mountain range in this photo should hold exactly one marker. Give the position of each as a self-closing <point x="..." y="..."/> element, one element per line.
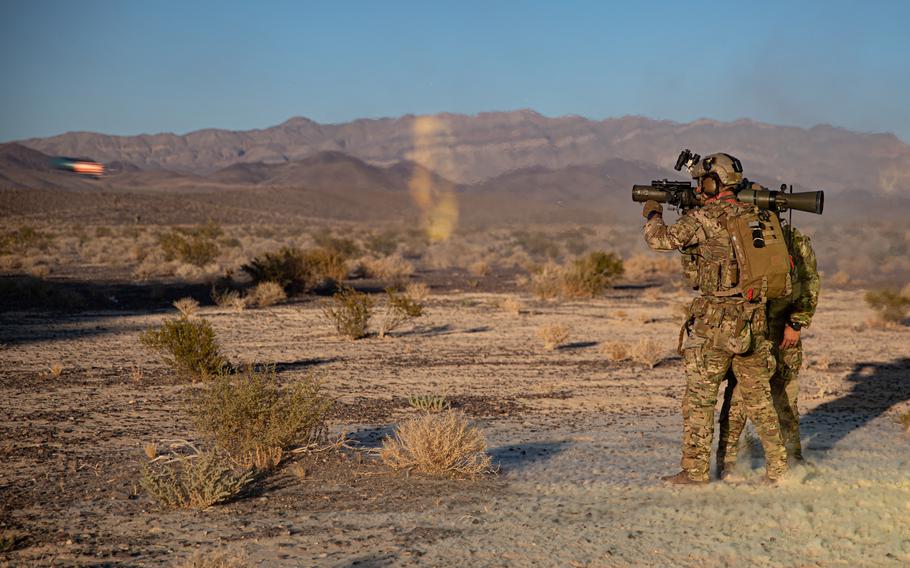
<point x="473" y="149"/>
<point x="513" y="167"/>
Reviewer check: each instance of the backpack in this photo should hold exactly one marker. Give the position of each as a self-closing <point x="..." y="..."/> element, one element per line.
<point x="761" y="254"/>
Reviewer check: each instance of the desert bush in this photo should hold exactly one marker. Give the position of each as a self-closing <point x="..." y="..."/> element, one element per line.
<point x="350" y="311"/>
<point x="615" y="351"/>
<point x="511" y="305"/>
<point x="327" y="265"/>
<point x="840" y="279"/>
<point x="418" y="291"/>
<point x="266" y="294"/>
<point x="889" y="305"/>
<point x="399" y="308"/>
<point x="588" y="276"/>
<point x="8" y="541"/>
<point x="195" y="482"/>
<point x="189" y="346"/>
<point x="394" y="269"/>
<point x="647" y="352"/>
<point x="342" y="246"/>
<point x="228" y="299"/>
<point x="428" y="402"/>
<point x="215" y="559"/>
<point x="383" y="244"/>
<point x="646" y="267"/>
<point x="553" y="335"/>
<point x="480" y="268"/>
<point x="536" y="243"/>
<point x="251" y="418"/>
<point x="288" y="267"/>
<point x="440" y="444"/>
<point x="23" y="239"/>
<point x="187" y="307"/>
<point x="196" y="246"/>
<point x="546" y="281"/>
<point x="56" y="370"/>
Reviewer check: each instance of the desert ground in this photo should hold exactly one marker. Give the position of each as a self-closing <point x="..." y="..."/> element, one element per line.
<point x="579" y="440"/>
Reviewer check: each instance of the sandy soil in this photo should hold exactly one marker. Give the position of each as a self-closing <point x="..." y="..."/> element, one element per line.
<point x="580" y="441"/>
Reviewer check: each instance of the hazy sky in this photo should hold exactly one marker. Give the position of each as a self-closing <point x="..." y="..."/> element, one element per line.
<point x="128" y="67"/>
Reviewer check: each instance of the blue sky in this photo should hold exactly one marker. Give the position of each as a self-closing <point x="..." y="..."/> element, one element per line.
<point x="128" y="67"/>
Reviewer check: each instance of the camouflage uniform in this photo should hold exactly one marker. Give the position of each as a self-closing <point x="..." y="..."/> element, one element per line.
<point x="724" y="331"/>
<point x="798" y="307"/>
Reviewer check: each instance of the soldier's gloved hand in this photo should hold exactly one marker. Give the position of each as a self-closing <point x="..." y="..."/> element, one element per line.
<point x="652" y="207"/>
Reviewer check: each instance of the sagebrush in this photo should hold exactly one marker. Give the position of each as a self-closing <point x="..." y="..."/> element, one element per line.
<point x="188" y="345"/>
<point x="254" y="420"/>
<point x="441" y="444"/>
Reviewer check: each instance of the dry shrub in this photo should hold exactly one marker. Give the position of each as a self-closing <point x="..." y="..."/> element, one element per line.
<point x="441" y="444"/>
<point x="546" y="281"/>
<point x="228" y="299"/>
<point x="150" y="449"/>
<point x="647" y="267"/>
<point x="390" y="269"/>
<point x="215" y="559"/>
<point x="56" y="370"/>
<point x="615" y="351"/>
<point x="22" y="239"/>
<point x="479" y="268"/>
<point x="553" y="335"/>
<point x="266" y="294"/>
<point x="189" y="346"/>
<point x="288" y="267"/>
<point x="840" y="279"/>
<point x="187" y="307"/>
<point x="428" y="402"/>
<point x="647" y="352"/>
<point x="350" y="311"/>
<point x="399" y="308"/>
<point x="9" y="540"/>
<point x="418" y="291"/>
<point x="196" y="246"/>
<point x="588" y="276"/>
<point x="327" y="265"/>
<point x="383" y="244"/>
<point x="251" y="418"/>
<point x="889" y="305"/>
<point x="511" y="305"/>
<point x="194" y="482"/>
<point x="653" y="295"/>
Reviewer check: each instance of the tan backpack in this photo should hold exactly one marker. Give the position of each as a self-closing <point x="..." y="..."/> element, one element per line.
<point x="761" y="254"/>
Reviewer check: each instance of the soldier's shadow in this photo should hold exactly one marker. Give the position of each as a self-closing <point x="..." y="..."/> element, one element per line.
<point x="876" y="387"/>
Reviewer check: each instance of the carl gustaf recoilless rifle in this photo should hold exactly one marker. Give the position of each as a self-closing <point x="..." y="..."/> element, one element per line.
<point x="681" y="194"/>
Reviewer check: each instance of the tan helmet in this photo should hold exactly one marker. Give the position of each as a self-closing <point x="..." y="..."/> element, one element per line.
<point x="728" y="169"/>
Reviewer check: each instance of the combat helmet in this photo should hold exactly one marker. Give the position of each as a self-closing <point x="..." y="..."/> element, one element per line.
<point x="727" y="169"/>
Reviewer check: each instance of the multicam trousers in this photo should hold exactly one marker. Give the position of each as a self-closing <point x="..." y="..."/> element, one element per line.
<point x="707" y="363"/>
<point x="784" y="394"/>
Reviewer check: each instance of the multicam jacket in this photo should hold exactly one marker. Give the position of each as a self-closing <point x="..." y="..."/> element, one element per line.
<point x="800" y="306"/>
<point x="703" y="233"/>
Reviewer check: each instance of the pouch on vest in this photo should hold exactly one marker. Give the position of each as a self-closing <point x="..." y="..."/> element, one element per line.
<point x="761" y="253"/>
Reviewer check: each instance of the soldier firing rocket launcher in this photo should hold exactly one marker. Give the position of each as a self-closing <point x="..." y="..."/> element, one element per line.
<point x="681" y="194"/>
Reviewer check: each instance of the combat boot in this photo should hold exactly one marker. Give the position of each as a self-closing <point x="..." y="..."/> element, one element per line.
<point x="682" y="478"/>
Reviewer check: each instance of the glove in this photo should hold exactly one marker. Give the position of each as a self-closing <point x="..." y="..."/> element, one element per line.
<point x="652" y="207"/>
